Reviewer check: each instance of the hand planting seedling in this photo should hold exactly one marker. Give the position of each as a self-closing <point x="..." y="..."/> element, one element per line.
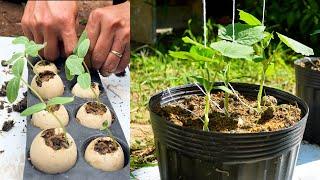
<point x="105" y="153"/>
<point x="237" y="42"/>
<point x="91" y="114"/>
<point x="51" y="146"/>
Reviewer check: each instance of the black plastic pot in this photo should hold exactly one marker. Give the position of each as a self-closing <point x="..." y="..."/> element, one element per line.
<point x="308" y="88"/>
<point x="185" y="153"/>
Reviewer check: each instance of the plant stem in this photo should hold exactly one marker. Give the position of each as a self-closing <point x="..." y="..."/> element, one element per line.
<point x="262" y="80"/>
<point x="206" y="112"/>
<point x="226" y="95"/>
<point x="61" y="125"/>
<point x="34" y="91"/>
<point x="30" y="64"/>
<point x="88" y="71"/>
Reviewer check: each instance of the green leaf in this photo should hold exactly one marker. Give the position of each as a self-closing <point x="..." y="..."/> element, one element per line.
<point x="190" y="41"/>
<point x="60" y="100"/>
<point x="233" y="49"/>
<point x="83" y="36"/>
<point x="224" y="88"/>
<point x="189" y="56"/>
<point x="84" y="80"/>
<point x="295" y="45"/>
<point x="248" y="18"/>
<point x="105" y="125"/>
<point x="32" y="49"/>
<point x="68" y="74"/>
<point x="315" y="32"/>
<point x="17" y="68"/>
<point x="74" y="65"/>
<point x="205" y="52"/>
<point x="83" y="48"/>
<point x="204" y="82"/>
<point x="267" y="39"/>
<point x="14" y="57"/>
<point x="34" y="109"/>
<point x="20" y="40"/>
<point x="13" y="89"/>
<point x="244" y="34"/>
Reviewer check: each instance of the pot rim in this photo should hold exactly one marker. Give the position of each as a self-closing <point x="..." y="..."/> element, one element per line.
<point x="302" y="105"/>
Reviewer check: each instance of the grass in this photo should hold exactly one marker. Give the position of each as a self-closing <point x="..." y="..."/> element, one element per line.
<point x="153" y="70"/>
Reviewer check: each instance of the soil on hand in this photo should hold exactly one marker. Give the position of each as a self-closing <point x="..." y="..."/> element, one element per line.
<point x="44" y="77"/>
<point x="314" y="65"/>
<point x="7" y="125"/>
<point x="3" y="90"/>
<point x="55" y="141"/>
<point x="242" y="119"/>
<point x="95" y="108"/>
<point x="105" y="146"/>
<point x="54" y="108"/>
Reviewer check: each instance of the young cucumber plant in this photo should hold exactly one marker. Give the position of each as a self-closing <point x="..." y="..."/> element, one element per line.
<point x="76" y="66"/>
<point x="261" y="48"/>
<point x="13" y="86"/>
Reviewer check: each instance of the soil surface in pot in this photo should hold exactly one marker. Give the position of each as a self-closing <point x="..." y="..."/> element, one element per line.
<point x="242" y="118"/>
<point x="53" y="140"/>
<point x="44" y="77"/>
<point x="314" y="65"/>
<point x="95" y="108"/>
<point x="105" y="146"/>
<point x="54" y="108"/>
<point x="44" y="63"/>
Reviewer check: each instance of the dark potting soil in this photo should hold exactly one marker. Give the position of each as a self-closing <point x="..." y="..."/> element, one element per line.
<point x="315" y="65"/>
<point x="53" y="140"/>
<point x="7" y="125"/>
<point x="1" y="105"/>
<point x="95" y="108"/>
<point x="242" y="119"/>
<point x="44" y="63"/>
<point x="44" y="77"/>
<point x="3" y="90"/>
<point x="20" y="106"/>
<point x="105" y="146"/>
<point x="54" y="108"/>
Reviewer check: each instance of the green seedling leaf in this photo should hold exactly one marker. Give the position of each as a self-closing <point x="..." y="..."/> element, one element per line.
<point x="190" y="41"/>
<point x="295" y="45"/>
<point x="204" y="82"/>
<point x="84" y="80"/>
<point x="244" y="34"/>
<point x="14" y="57"/>
<point x="34" y="109"/>
<point x="233" y="49"/>
<point x="74" y="65"/>
<point x="32" y="49"/>
<point x="206" y="52"/>
<point x="257" y="58"/>
<point x="248" y="18"/>
<point x="60" y="100"/>
<point x="315" y="32"/>
<point x="189" y="56"/>
<point x="224" y="88"/>
<point x="105" y="125"/>
<point x="68" y="74"/>
<point x="83" y="48"/>
<point x="83" y="36"/>
<point x="13" y="89"/>
<point x="17" y="68"/>
<point x="20" y="40"/>
<point x="267" y="39"/>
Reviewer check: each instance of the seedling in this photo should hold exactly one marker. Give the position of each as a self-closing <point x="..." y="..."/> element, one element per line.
<point x="18" y="61"/>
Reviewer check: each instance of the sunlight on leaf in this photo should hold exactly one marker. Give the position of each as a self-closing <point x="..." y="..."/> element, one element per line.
<point x="248" y="18"/>
<point x="60" y="100"/>
<point x="20" y="40"/>
<point x="233" y="50"/>
<point x="296" y="46"/>
<point x="74" y="65"/>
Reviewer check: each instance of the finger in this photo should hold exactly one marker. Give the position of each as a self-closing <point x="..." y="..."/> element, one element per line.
<point x="51" y="51"/>
<point x="25" y="20"/>
<point x="93" y="31"/>
<point x="69" y="38"/>
<point x="124" y="62"/>
<point x="27" y="32"/>
<point x="112" y="61"/>
<point x="37" y="36"/>
<point x="102" y="48"/>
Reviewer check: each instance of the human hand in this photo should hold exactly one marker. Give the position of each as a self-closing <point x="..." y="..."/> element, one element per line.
<point x="52" y="22"/>
<point x="108" y="29"/>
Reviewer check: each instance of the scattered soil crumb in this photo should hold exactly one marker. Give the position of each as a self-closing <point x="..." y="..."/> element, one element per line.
<point x="7" y="125"/>
<point x="103" y="146"/>
<point x="1" y="151"/>
<point x="242" y="119"/>
<point x="21" y="105"/>
<point x="95" y="108"/>
<point x="53" y="140"/>
<point x="44" y="63"/>
<point x="3" y="90"/>
<point x="54" y="108"/>
<point x="315" y="65"/>
<point x="9" y="110"/>
<point x="44" y="77"/>
<point x="1" y="104"/>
